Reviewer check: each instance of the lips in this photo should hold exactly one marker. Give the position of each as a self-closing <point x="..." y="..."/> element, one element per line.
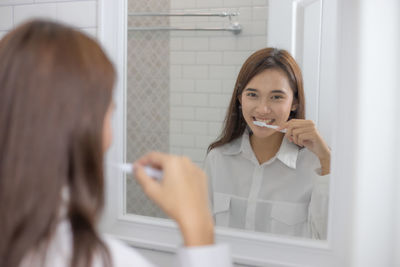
<point x="266" y="121"/>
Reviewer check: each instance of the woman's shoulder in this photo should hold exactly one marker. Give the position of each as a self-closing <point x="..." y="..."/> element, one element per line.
<point x="122" y="255"/>
<point x="226" y="149"/>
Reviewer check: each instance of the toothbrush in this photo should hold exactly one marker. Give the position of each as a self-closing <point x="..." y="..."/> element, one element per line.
<point x="128" y="168"/>
<point x="263" y="124"/>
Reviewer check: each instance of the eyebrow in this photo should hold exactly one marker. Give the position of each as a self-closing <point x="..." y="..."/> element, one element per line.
<point x="279" y="91"/>
<point x="251" y="89"/>
<point x="276" y="91"/>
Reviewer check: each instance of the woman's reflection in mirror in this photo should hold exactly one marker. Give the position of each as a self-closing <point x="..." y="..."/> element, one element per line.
<point x="263" y="179"/>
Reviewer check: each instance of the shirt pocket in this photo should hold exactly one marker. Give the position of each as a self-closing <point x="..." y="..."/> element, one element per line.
<point x="222" y="203"/>
<point x="289" y="218"/>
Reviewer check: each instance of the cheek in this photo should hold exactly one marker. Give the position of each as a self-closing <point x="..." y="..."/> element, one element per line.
<point x="107" y="133"/>
<point x="283" y="110"/>
<point x="247" y="107"/>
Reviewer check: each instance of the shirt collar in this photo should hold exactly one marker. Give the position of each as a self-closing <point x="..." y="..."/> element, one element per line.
<point x="287" y="153"/>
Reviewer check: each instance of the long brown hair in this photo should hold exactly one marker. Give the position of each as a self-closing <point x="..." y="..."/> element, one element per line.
<point x="267" y="58"/>
<point x="55" y="87"/>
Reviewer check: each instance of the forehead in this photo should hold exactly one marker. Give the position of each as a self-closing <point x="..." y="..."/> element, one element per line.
<point x="269" y="80"/>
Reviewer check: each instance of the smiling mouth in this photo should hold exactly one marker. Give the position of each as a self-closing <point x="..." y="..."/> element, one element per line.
<point x="268" y="121"/>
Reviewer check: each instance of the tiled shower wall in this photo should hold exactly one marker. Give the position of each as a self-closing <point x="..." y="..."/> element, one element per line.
<point x="147" y="94"/>
<point x="79" y="14"/>
<point x="204" y="66"/>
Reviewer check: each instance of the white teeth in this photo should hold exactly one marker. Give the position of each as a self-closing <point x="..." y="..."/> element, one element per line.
<point x="266" y="121"/>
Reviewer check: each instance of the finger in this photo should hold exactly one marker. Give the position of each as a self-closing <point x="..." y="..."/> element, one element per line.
<point x="306" y="137"/>
<point x="300" y="131"/>
<point x="297" y="126"/>
<point x="151" y="187"/>
<point x="282" y="126"/>
<point x="289" y="133"/>
<point x="154" y="159"/>
<point x="296" y="123"/>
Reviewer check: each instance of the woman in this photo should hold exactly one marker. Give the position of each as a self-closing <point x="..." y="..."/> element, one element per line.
<point x="263" y="179"/>
<point x="55" y="100"/>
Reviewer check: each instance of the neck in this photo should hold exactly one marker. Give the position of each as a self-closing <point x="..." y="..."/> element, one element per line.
<point x="266" y="148"/>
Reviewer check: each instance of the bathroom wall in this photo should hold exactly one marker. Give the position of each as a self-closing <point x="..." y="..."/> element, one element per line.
<point x="204" y="66"/>
<point x="147" y="94"/>
<point x="80" y="14"/>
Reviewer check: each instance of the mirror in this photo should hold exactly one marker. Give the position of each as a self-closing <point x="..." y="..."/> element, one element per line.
<point x="183" y="59"/>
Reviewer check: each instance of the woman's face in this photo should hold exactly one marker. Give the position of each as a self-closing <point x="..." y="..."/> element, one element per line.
<point x="267" y="98"/>
<point x="107" y="129"/>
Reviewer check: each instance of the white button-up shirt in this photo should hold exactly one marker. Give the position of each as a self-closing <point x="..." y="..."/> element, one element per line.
<point x="59" y="250"/>
<point x="59" y="254"/>
<point x="284" y="195"/>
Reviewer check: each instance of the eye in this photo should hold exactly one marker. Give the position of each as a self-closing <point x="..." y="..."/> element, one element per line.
<point x="276" y="97"/>
<point x="251" y="94"/>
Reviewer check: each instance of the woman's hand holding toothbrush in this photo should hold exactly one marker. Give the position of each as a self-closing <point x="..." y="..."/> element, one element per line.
<point x="304" y="133"/>
<point x="182" y="194"/>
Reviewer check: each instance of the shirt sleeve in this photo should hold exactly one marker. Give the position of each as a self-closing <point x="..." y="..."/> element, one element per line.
<point x="124" y="256"/>
<point x="319" y="204"/>
<point x="217" y="255"/>
<point x="208" y="169"/>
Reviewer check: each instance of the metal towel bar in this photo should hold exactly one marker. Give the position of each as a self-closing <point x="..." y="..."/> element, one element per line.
<point x="221" y="14"/>
<point x="235" y="28"/>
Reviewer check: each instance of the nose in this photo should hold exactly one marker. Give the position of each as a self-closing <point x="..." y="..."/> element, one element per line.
<point x="263" y="107"/>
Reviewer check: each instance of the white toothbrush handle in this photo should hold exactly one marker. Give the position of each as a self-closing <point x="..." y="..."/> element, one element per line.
<point x="154" y="173"/>
<point x="262" y="124"/>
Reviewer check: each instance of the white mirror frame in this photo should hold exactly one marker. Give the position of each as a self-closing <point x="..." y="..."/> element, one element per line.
<point x="348" y="71"/>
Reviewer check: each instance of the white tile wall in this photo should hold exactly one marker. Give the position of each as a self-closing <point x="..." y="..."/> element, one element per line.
<point x="222" y="72"/>
<point x="219" y="100"/>
<point x="203" y="141"/>
<point x="259" y="13"/>
<point x="181" y="85"/>
<point x="208" y="114"/>
<point x="209" y="3"/>
<point x="227" y="85"/>
<point x="208" y="86"/>
<point x="204" y="66"/>
<point x="196" y="100"/>
<point x="25" y="12"/>
<point x="6" y="18"/>
<point x="81" y="14"/>
<point x="182" y="113"/>
<point x="195" y="72"/>
<point x="15" y="2"/>
<point x="182" y="140"/>
<point x="175" y="71"/>
<point x="194" y="127"/>
<point x="196" y="154"/>
<point x="195" y="43"/>
<point x="183" y="57"/>
<point x="223" y="43"/>
<point x="178" y="4"/>
<point x="175" y="44"/>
